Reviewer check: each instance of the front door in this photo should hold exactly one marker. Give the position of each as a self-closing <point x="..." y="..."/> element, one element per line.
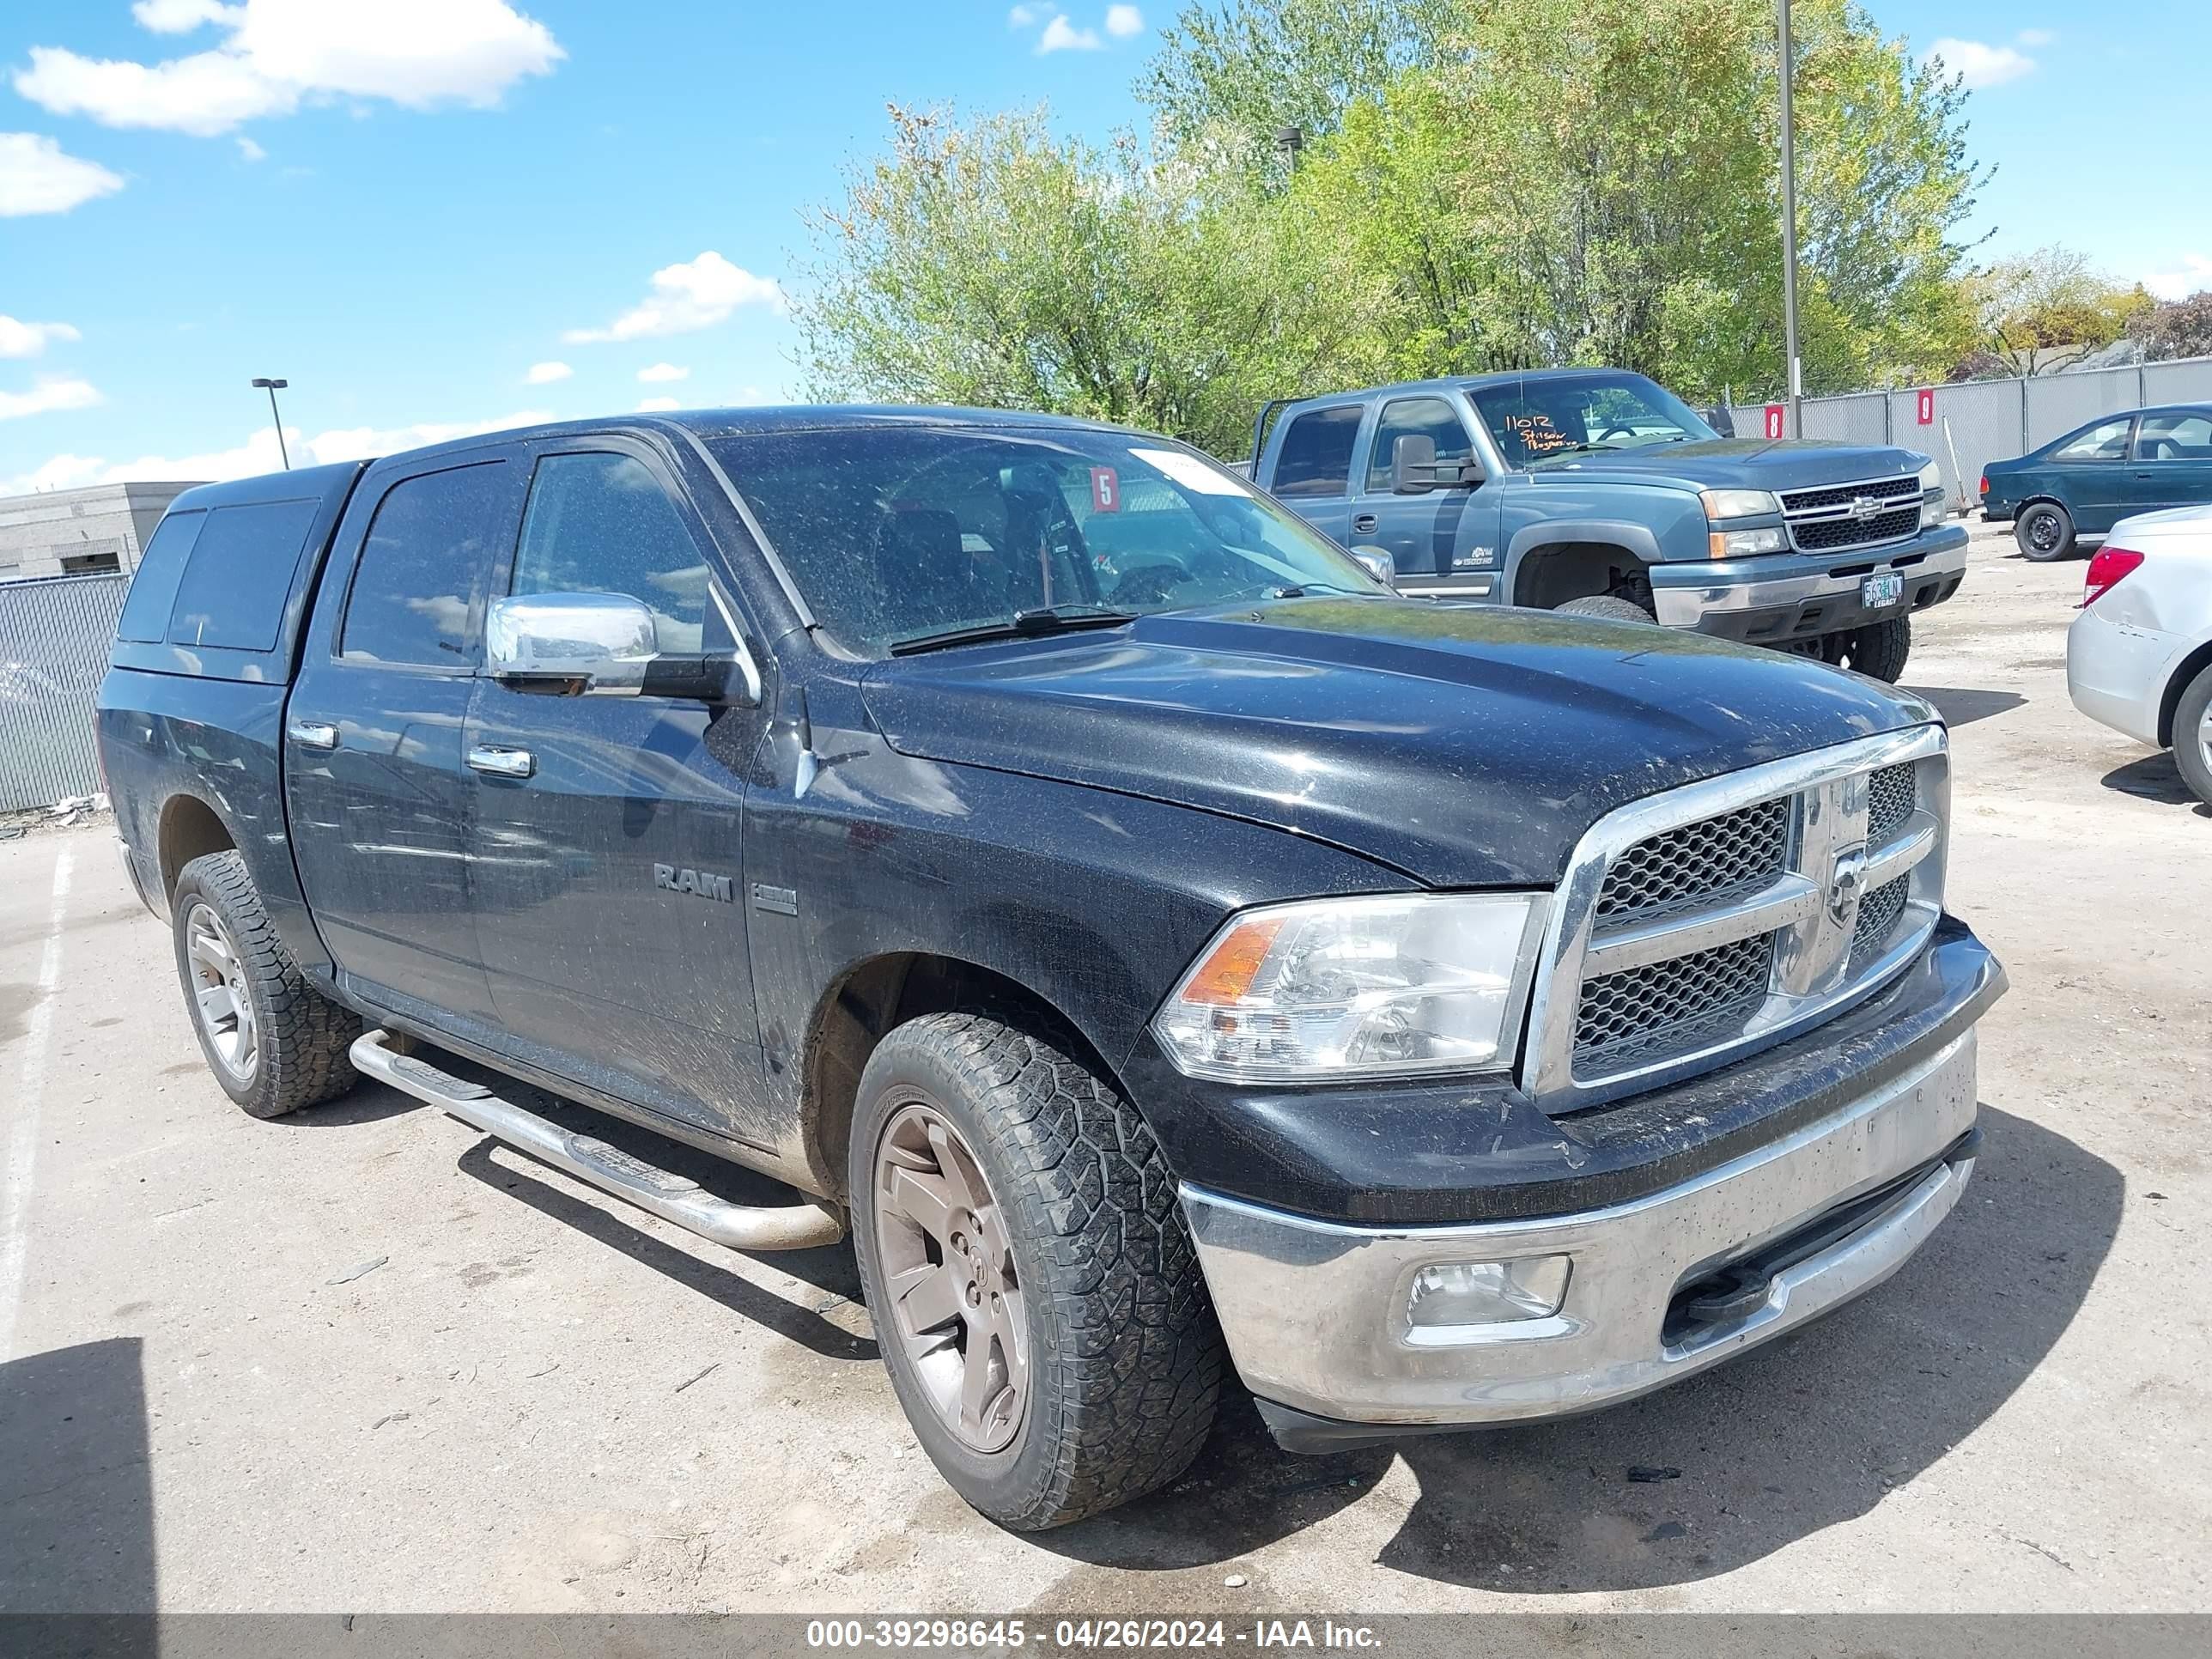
<point x="378" y="800"/>
<point x="2171" y="464"/>
<point x="609" y="890"/>
<point x="1443" y="541"/>
<point x="2093" y="468"/>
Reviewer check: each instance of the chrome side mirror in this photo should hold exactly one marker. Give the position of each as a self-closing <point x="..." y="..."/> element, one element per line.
<point x="1378" y="562"/>
<point x="600" y="643"/>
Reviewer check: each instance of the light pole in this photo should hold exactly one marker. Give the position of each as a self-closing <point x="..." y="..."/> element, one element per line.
<point x="272" y="387"/>
<point x="1793" y="371"/>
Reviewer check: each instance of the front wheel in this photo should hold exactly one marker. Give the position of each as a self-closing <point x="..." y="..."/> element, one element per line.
<point x="1026" y="1263"/>
<point x="1879" y="649"/>
<point x="2044" y="533"/>
<point x="1611" y="606"/>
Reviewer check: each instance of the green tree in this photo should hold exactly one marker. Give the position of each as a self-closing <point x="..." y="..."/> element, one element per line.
<point x="988" y="263"/>
<point x="2047" y="310"/>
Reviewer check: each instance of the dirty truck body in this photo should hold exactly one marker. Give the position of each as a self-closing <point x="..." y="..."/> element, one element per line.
<point x="1168" y="951"/>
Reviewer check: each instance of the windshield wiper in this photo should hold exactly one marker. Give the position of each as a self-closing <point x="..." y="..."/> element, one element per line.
<point x="1299" y="590"/>
<point x="1047" y="619"/>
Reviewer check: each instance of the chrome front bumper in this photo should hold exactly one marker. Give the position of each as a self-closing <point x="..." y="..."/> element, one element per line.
<point x="1316" y="1313"/>
<point x="1688" y="595"/>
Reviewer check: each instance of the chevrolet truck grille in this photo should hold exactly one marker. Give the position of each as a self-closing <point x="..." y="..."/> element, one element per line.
<point x="1871" y="513"/>
<point x="1700" y="924"/>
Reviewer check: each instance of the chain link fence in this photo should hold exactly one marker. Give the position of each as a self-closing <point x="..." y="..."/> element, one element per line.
<point x="54" y="635"/>
<point x="1978" y="422"/>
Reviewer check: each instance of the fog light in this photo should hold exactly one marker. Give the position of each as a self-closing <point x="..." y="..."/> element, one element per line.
<point x="1488" y="1292"/>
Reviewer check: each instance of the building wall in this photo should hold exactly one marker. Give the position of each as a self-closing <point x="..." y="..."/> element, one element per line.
<point x="63" y="532"/>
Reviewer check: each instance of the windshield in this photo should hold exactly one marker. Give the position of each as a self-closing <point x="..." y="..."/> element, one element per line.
<point x="898" y="533"/>
<point x="1548" y="418"/>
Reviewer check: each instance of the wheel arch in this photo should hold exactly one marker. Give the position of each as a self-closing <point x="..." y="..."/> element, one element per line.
<point x="877" y="994"/>
<point x="189" y="828"/>
<point x="2179" y="681"/>
<point x="1550" y="564"/>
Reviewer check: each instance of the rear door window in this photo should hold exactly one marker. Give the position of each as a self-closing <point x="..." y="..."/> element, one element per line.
<point x="240" y="575"/>
<point x="1315" y="457"/>
<point x="153" y="588"/>
<point x="418" y="591"/>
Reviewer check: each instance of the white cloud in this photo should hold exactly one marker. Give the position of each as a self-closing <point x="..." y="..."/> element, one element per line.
<point x="657" y="373"/>
<point x="182" y="16"/>
<point x="2039" y="37"/>
<point x="546" y="374"/>
<point x="696" y="294"/>
<point x="654" y="405"/>
<point x="19" y="339"/>
<point x="47" y="395"/>
<point x="36" y="177"/>
<point x="1979" y="65"/>
<point x="2194" y="276"/>
<point x="258" y="453"/>
<point x="1021" y="17"/>
<point x="1122" y="22"/>
<point x="278" y="53"/>
<point x="250" y="151"/>
<point x="1060" y="35"/>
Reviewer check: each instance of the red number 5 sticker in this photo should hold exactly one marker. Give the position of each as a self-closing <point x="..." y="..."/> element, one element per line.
<point x="1105" y="490"/>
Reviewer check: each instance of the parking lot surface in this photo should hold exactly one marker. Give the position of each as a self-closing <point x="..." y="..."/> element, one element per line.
<point x="362" y="1359"/>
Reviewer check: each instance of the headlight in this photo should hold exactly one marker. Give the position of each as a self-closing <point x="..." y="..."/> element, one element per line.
<point x="1356" y="988"/>
<point x="1737" y="543"/>
<point x="1737" y="503"/>
<point x="1931" y="476"/>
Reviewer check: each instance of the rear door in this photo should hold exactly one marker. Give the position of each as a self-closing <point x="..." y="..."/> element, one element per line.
<point x="379" y="800"/>
<point x="2171" y="464"/>
<point x="1312" y="473"/>
<point x="609" y="878"/>
<point x="1443" y="541"/>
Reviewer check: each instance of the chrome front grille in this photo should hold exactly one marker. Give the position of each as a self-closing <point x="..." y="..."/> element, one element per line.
<point x="1691" y="865"/>
<point x="1702" y="923"/>
<point x="1870" y="514"/>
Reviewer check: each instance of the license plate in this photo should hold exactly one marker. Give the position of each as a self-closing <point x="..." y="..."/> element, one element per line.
<point x="1876" y="591"/>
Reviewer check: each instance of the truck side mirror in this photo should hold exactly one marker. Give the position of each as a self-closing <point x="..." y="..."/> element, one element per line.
<point x="1378" y="562"/>
<point x="606" y="645"/>
<point x="1413" y="464"/>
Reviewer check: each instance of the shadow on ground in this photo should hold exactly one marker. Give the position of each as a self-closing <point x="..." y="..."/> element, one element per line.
<point x="76" y="1496"/>
<point x="2156" y="777"/>
<point x="1782" y="1444"/>
<point x="1963" y="705"/>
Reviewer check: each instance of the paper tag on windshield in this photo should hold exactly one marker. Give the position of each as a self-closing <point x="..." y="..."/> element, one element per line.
<point x="1191" y="472"/>
<point x="1105" y="490"/>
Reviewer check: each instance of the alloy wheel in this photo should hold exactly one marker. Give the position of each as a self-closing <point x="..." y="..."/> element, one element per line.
<point x="221" y="1001"/>
<point x="951" y="1289"/>
<point x="2204" y="738"/>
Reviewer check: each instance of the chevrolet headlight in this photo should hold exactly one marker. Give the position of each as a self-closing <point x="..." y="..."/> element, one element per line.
<point x="1737" y="503"/>
<point x="1931" y="476"/>
<point x="1333" y="990"/>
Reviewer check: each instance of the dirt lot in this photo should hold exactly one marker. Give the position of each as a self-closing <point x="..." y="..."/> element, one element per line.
<point x="361" y="1360"/>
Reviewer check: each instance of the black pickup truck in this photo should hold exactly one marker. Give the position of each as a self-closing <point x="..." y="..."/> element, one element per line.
<point x="1164" y="946"/>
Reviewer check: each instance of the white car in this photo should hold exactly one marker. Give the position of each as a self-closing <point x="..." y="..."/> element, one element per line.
<point x="2139" y="657"/>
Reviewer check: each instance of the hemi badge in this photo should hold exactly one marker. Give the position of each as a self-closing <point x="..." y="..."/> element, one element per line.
<point x="783" y="901"/>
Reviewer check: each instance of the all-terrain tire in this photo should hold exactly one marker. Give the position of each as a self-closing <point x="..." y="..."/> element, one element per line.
<point x="300" y="1036"/>
<point x="2192" y="738"/>
<point x="2044" y="532"/>
<point x="1610" y="605"/>
<point x="1125" y="1360"/>
<point x="1880" y="649"/>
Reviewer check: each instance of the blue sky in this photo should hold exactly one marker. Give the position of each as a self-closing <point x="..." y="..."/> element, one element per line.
<point x="404" y="205"/>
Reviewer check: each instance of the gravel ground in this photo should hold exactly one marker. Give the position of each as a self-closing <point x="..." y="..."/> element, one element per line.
<point x="360" y="1358"/>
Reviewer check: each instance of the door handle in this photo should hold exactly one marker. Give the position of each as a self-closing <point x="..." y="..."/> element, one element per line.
<point x="313" y="734"/>
<point x="501" y="762"/>
<point x="1363" y="523"/>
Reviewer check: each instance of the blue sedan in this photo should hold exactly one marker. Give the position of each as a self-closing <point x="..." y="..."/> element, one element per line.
<point x="2087" y="482"/>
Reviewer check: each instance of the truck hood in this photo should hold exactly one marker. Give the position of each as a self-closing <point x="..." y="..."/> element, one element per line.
<point x="1465" y="747"/>
<point x="1736" y="463"/>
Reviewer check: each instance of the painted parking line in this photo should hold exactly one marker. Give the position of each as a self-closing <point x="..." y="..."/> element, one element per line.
<point x="23" y="1128"/>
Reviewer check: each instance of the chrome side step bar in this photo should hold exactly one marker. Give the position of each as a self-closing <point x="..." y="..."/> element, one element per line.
<point x="671" y="1197"/>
